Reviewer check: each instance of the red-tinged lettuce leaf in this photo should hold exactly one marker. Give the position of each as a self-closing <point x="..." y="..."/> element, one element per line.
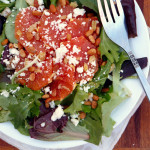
<point x="129" y="10"/>
<point x="70" y="132"/>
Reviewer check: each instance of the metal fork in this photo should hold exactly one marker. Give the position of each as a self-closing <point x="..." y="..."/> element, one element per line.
<point x="115" y="28"/>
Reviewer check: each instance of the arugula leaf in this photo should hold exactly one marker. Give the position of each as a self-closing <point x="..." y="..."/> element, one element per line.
<point x="77" y="105"/>
<point x="3" y="5"/>
<point x="21" y="4"/>
<point x="2" y="37"/>
<point x="108" y="48"/>
<point x="92" y="4"/>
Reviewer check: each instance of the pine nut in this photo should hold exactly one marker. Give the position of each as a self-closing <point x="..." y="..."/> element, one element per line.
<point x="62" y="2"/>
<point x="73" y="67"/>
<point x="112" y="68"/>
<point x="94" y="25"/>
<point x="32" y="69"/>
<point x="65" y="60"/>
<point x="95" y="98"/>
<point x="82" y="115"/>
<point x="38" y="71"/>
<point x="63" y="17"/>
<point x="85" y="67"/>
<point x="91" y="51"/>
<point x="97" y="42"/>
<point x="31" y="49"/>
<point x="29" y="36"/>
<point x="89" y="32"/>
<point x="36" y="13"/>
<point x="4" y="42"/>
<point x="15" y="45"/>
<point x="97" y="30"/>
<point x="19" y="33"/>
<point x="52" y="8"/>
<point x="45" y="96"/>
<point x="92" y="40"/>
<point x="32" y="77"/>
<point x="74" y="4"/>
<point x="22" y="53"/>
<point x="42" y="56"/>
<point x="94" y="104"/>
<point x="104" y="63"/>
<point x="69" y="36"/>
<point x="88" y="103"/>
<point x="104" y="90"/>
<point x="37" y="36"/>
<point x="92" y="58"/>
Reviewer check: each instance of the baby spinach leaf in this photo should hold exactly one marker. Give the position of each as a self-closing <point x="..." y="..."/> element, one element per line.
<point x="108" y="48"/>
<point x="10" y="27"/>
<point x="2" y="37"/>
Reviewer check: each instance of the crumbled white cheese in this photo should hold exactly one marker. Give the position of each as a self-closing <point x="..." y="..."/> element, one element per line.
<point x="90" y="97"/>
<point x="82" y="82"/>
<point x="46" y="22"/>
<point x="43" y="124"/>
<point x="46" y="13"/>
<point x="78" y="12"/>
<point x="72" y="60"/>
<point x="22" y="74"/>
<point x="76" y="49"/>
<point x="60" y="53"/>
<point x="86" y="89"/>
<point x="40" y="2"/>
<point x="52" y="104"/>
<point x="59" y="112"/>
<point x="75" y="121"/>
<point x="6" y="62"/>
<point x="80" y="69"/>
<point x="14" y="51"/>
<point x="5" y="93"/>
<point x="69" y="16"/>
<point x="74" y="116"/>
<point x="61" y="10"/>
<point x="47" y="90"/>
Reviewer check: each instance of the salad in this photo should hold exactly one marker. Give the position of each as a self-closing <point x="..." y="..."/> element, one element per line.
<point x="60" y="73"/>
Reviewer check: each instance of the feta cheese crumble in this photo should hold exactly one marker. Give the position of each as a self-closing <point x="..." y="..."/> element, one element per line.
<point x="5" y="93"/>
<point x="75" y="121"/>
<point x="80" y="69"/>
<point x="78" y="12"/>
<point x="59" y="112"/>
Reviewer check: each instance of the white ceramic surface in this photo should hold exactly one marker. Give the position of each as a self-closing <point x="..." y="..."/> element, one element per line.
<point x="141" y="48"/>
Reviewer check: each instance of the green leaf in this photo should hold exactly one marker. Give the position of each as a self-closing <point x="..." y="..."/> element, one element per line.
<point x="92" y="4"/>
<point x="10" y="27"/>
<point x="53" y="2"/>
<point x="21" y="4"/>
<point x="2" y="37"/>
<point x="46" y="3"/>
<point x="86" y="109"/>
<point x="3" y="5"/>
<point x="4" y="116"/>
<point x="108" y="48"/>
<point x="77" y="105"/>
<point x="2" y="68"/>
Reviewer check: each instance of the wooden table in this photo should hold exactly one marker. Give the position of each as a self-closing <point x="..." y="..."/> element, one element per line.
<point x="137" y="133"/>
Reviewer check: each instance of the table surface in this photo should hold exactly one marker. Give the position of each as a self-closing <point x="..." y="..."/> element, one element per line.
<point x="137" y="133"/>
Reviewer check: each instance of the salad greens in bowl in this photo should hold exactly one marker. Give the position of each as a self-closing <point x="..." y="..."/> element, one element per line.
<point x="60" y="75"/>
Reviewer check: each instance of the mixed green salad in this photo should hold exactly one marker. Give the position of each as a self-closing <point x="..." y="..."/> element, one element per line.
<point x="60" y="73"/>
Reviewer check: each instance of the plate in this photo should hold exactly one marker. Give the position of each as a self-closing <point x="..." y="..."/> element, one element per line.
<point x="141" y="48"/>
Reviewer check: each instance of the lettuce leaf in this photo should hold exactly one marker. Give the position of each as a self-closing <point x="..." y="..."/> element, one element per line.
<point x="108" y="48"/>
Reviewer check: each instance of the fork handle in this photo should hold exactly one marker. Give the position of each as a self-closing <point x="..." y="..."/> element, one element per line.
<point x="140" y="74"/>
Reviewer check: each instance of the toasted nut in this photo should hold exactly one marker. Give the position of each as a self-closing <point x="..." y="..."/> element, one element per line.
<point x="20" y="46"/>
<point x="47" y="105"/>
<point x="22" y="53"/>
<point x="4" y="42"/>
<point x="15" y="45"/>
<point x="95" y="36"/>
<point x="112" y="68"/>
<point x="65" y="60"/>
<point x="94" y="25"/>
<point x="54" y="93"/>
<point x="92" y="58"/>
<point x="31" y="49"/>
<point x="74" y="4"/>
<point x="37" y="36"/>
<point x="104" y="90"/>
<point x="95" y="98"/>
<point x="63" y="17"/>
<point x="45" y="96"/>
<point x="32" y="77"/>
<point x="62" y="2"/>
<point x="97" y="42"/>
<point x="85" y="67"/>
<point x="92" y="39"/>
<point x="32" y="69"/>
<point x="88" y="33"/>
<point x="69" y="36"/>
<point x="48" y="100"/>
<point x="73" y="67"/>
<point x="82" y="115"/>
<point x="104" y="63"/>
<point x="38" y="71"/>
<point x="22" y="81"/>
<point x="97" y="30"/>
<point x="36" y="13"/>
<point x="90" y="15"/>
<point x="33" y="27"/>
<point x="53" y="8"/>
<point x="11" y="45"/>
<point x="19" y="33"/>
<point x="29" y="36"/>
<point x="94" y="104"/>
<point x="42" y="56"/>
<point x="88" y="103"/>
<point x="91" y="51"/>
